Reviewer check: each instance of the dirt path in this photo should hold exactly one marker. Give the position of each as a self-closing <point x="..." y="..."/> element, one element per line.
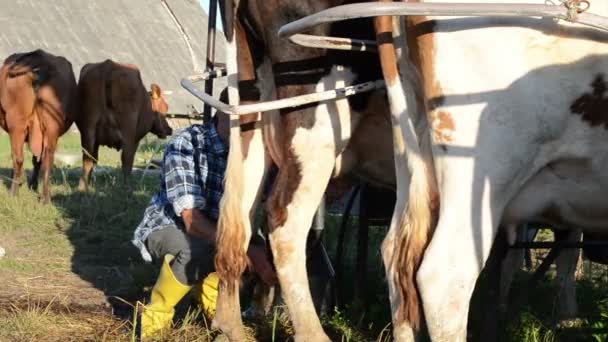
<point x="65" y="289"/>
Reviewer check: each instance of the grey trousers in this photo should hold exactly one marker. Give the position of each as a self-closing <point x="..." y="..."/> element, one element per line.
<point x="193" y="257"/>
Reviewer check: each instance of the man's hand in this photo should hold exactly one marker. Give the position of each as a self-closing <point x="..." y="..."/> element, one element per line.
<point x="198" y="225"/>
<point x="261" y="264"/>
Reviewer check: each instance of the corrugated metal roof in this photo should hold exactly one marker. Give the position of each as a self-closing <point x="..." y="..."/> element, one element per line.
<point x="134" y="31"/>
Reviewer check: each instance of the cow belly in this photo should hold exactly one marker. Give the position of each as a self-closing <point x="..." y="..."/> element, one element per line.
<point x="597" y="254"/>
<point x="564" y="194"/>
<point x="109" y="135"/>
<point x="369" y="153"/>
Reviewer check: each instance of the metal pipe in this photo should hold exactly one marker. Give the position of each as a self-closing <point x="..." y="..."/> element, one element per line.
<point x="552" y="244"/>
<point x="211" y="74"/>
<point x="291" y="102"/>
<point x="342" y="235"/>
<point x="318" y="222"/>
<point x="334" y="43"/>
<point x="210" y="54"/>
<point x="375" y="9"/>
<point x="184" y="35"/>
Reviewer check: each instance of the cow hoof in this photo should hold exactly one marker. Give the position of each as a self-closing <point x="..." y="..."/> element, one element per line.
<point x="32" y="185"/>
<point x="312" y="338"/>
<point x="45" y="199"/>
<point x="129" y="188"/>
<point x="232" y="332"/>
<point x="221" y="338"/>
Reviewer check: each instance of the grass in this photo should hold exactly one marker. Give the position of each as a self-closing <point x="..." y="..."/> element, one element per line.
<point x="70" y="272"/>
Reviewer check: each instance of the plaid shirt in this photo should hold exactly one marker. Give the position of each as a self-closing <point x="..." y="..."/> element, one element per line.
<point x="192" y="174"/>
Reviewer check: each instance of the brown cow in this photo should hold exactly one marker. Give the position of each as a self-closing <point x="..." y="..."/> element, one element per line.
<point x="37" y="105"/>
<point x="116" y="111"/>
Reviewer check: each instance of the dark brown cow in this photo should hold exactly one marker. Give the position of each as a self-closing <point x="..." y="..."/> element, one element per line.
<point x="116" y="111"/>
<point x="37" y="105"/>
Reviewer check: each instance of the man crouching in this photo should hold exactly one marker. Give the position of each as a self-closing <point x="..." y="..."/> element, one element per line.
<point x="178" y="229"/>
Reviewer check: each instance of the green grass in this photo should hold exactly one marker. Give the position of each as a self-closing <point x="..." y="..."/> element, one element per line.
<point x="67" y="261"/>
<point x="71" y="273"/>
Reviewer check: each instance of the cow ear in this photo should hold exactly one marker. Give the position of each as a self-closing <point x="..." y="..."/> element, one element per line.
<point x="156" y="92"/>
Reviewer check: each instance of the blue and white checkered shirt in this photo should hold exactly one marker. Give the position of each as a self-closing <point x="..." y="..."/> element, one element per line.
<point x="192" y="177"/>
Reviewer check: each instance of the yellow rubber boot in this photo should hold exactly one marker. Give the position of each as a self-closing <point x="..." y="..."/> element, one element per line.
<point x="207" y="294"/>
<point x="167" y="292"/>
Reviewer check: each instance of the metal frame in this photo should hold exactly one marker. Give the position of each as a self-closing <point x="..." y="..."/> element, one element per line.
<point x="294" y="30"/>
<point x="375" y="9"/>
<point x="210" y="58"/>
<point x="334" y="43"/>
<point x="295" y="101"/>
<point x="212" y="72"/>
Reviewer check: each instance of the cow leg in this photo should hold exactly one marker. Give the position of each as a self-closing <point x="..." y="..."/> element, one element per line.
<point x="17" y="140"/>
<point x="446" y="279"/>
<point x="300" y="185"/>
<point x="510" y="266"/>
<point x="33" y="181"/>
<point x="492" y="318"/>
<point x="461" y="243"/>
<point x="89" y="159"/>
<point x="48" y="156"/>
<point x="402" y="331"/>
<point x="228" y="311"/>
<point x="126" y="157"/>
<point x="566" y="264"/>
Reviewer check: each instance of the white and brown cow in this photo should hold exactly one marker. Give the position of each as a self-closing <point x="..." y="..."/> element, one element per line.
<point x="503" y="120"/>
<point x="310" y="144"/>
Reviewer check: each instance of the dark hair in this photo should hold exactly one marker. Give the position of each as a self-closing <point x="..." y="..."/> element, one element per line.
<point x="224" y="95"/>
<point x="223" y="98"/>
<point x="214" y="118"/>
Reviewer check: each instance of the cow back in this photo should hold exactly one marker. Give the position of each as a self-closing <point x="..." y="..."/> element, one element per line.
<point x="115" y="107"/>
<point x="128" y="98"/>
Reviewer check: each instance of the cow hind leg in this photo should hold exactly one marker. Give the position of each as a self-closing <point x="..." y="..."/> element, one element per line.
<point x="566" y="264"/>
<point x="228" y="313"/>
<point x="33" y="181"/>
<point x="458" y="251"/>
<point x="127" y="156"/>
<point x="89" y="160"/>
<point x="17" y="138"/>
<point x="48" y="156"/>
<point x="402" y="331"/>
<point x="297" y="194"/>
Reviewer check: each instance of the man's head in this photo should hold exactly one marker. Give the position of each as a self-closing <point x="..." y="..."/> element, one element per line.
<point x="222" y="124"/>
<point x="221" y="120"/>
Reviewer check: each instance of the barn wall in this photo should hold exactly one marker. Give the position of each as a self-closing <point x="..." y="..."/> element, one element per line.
<point x="132" y="31"/>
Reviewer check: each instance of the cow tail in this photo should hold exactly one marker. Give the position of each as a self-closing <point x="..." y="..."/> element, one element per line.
<point x="413" y="234"/>
<point x="415" y="223"/>
<point x="107" y="94"/>
<point x="38" y="112"/>
<point x="231" y="257"/>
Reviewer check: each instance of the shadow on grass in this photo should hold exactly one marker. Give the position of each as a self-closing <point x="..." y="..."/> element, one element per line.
<point x="533" y="310"/>
<point x="99" y="225"/>
<point x="102" y="225"/>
